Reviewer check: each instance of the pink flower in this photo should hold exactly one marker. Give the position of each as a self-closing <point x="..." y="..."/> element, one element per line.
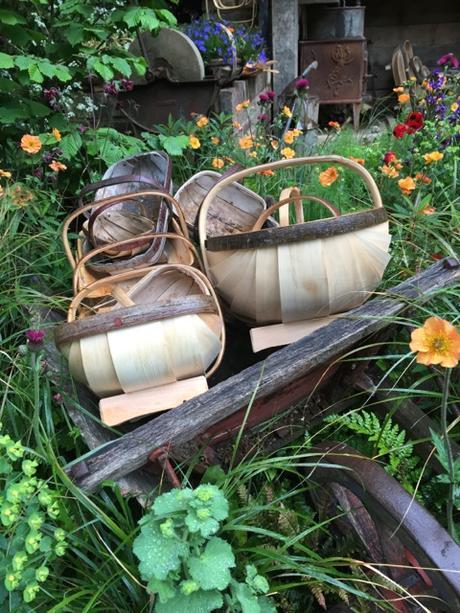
<point x="57" y="397"/>
<point x="449" y="58"/>
<point x="301" y="83"/>
<point x="263" y="117"/>
<point x="35" y="337"/>
<point x="263" y="98"/>
<point x="271" y="94"/>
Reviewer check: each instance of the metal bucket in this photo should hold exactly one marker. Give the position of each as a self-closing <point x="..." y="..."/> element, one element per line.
<point x="336" y="22"/>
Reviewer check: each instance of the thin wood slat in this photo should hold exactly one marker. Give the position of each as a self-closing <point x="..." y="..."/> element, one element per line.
<point x="135" y="315"/>
<point x="321" y="228"/>
<point x="184" y="423"/>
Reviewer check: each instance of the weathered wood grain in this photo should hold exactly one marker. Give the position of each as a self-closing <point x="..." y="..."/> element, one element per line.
<point x="282" y="367"/>
<point x="133" y="316"/>
<point x="322" y="228"/>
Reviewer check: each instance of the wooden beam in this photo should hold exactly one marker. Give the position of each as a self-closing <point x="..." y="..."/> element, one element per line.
<point x="186" y="422"/>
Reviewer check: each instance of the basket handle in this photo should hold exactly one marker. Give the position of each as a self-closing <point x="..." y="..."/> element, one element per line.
<point x="128" y="242"/>
<point x="113" y="200"/>
<point x="194" y="273"/>
<point x="319" y="159"/>
<point x="289" y="193"/>
<point x="297" y="200"/>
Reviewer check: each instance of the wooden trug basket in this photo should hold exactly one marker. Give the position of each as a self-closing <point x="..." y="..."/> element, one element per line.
<point x="300" y="272"/>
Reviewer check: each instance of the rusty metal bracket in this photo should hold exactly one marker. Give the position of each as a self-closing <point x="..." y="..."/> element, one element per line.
<point x="160" y="455"/>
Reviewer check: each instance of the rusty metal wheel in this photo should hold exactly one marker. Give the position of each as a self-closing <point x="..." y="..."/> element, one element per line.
<point x="393" y="528"/>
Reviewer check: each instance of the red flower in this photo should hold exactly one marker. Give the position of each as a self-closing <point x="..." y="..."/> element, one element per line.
<point x="400" y="130"/>
<point x="389" y="157"/>
<point x="414" y="122"/>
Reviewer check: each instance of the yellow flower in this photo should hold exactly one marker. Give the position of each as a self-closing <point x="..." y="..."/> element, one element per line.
<point x="218" y="163"/>
<point x="229" y="160"/>
<point x="57" y="166"/>
<point x="454" y="107"/>
<point x="398" y="90"/>
<point x="5" y="173"/>
<point x="286" y="111"/>
<point x="436" y="342"/>
<point x="215" y="140"/>
<point x="245" y="142"/>
<point x="328" y="176"/>
<point x="296" y="132"/>
<point x="389" y="171"/>
<point x="252" y="154"/>
<point x="274" y="143"/>
<point x="242" y="105"/>
<point x="57" y="135"/>
<point x="287" y="153"/>
<point x="434" y="156"/>
<point x="403" y="98"/>
<point x="407" y="185"/>
<point x="334" y="124"/>
<point x="236" y="125"/>
<point x="31" y="144"/>
<point x="289" y="137"/>
<point x="194" y="142"/>
<point x="202" y="122"/>
<point x="360" y="161"/>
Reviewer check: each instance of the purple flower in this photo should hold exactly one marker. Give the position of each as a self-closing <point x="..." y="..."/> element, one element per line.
<point x="263" y="117"/>
<point x="37" y="172"/>
<point x="35" y="337"/>
<point x="271" y="94"/>
<point x="82" y="129"/>
<point x="127" y="85"/>
<point x="450" y="59"/>
<point x="47" y="157"/>
<point x="301" y="83"/>
<point x="110" y="88"/>
<point x="264" y="98"/>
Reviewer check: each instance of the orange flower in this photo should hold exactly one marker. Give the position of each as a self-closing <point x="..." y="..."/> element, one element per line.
<point x="218" y="163"/>
<point x="334" y="124"/>
<point x="215" y="140"/>
<point x="31" y="144"/>
<point x="423" y="178"/>
<point x="5" y="173"/>
<point x="57" y="135"/>
<point x="434" y="156"/>
<point x="194" y="142"/>
<point x="246" y="142"/>
<point x="361" y="161"/>
<point x="20" y="196"/>
<point x="274" y="143"/>
<point x="398" y="90"/>
<point x="407" y="185"/>
<point x="389" y="171"/>
<point x="328" y="176"/>
<point x="229" y="160"/>
<point x="428" y="210"/>
<point x="436" y="342"/>
<point x="297" y="132"/>
<point x="403" y="98"/>
<point x="202" y="122"/>
<point x="266" y="173"/>
<point x="1" y="191"/>
<point x="288" y="153"/>
<point x="242" y="105"/>
<point x="286" y="111"/>
<point x="57" y="166"/>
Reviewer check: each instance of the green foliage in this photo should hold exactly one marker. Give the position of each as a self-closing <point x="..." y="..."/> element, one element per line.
<point x="388" y="441"/>
<point x="454" y="480"/>
<point x="29" y="541"/>
<point x="185" y="564"/>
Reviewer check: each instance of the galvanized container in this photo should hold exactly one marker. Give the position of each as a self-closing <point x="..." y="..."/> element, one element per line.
<point x="336" y="22"/>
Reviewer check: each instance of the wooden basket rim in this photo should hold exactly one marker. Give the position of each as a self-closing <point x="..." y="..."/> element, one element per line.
<point x="310" y="230"/>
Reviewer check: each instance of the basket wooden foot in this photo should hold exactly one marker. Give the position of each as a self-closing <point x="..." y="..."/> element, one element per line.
<point x="124" y="407"/>
<point x="277" y="335"/>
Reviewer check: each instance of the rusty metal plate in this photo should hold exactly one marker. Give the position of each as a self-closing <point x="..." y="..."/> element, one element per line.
<point x="340" y="74"/>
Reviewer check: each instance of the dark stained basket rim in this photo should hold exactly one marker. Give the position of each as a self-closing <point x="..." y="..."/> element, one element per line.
<point x="310" y="230"/>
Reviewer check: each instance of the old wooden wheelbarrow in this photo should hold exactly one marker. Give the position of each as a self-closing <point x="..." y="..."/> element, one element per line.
<point x="289" y="384"/>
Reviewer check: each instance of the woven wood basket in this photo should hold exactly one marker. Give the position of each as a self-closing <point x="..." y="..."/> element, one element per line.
<point x="301" y="271"/>
<point x="166" y="328"/>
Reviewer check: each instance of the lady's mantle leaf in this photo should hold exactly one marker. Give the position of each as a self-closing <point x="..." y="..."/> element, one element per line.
<point x="198" y="602"/>
<point x="158" y="554"/>
<point x="211" y="568"/>
<point x="172" y="502"/>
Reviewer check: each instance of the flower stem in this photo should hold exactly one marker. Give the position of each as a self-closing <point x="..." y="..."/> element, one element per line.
<point x="450" y="460"/>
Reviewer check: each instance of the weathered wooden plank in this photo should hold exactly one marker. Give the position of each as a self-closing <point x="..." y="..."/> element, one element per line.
<point x="322" y="228"/>
<point x="133" y="316"/>
<point x="281" y="368"/>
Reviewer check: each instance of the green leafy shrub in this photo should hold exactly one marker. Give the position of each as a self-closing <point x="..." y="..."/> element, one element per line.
<point x="29" y="540"/>
<point x="186" y="565"/>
